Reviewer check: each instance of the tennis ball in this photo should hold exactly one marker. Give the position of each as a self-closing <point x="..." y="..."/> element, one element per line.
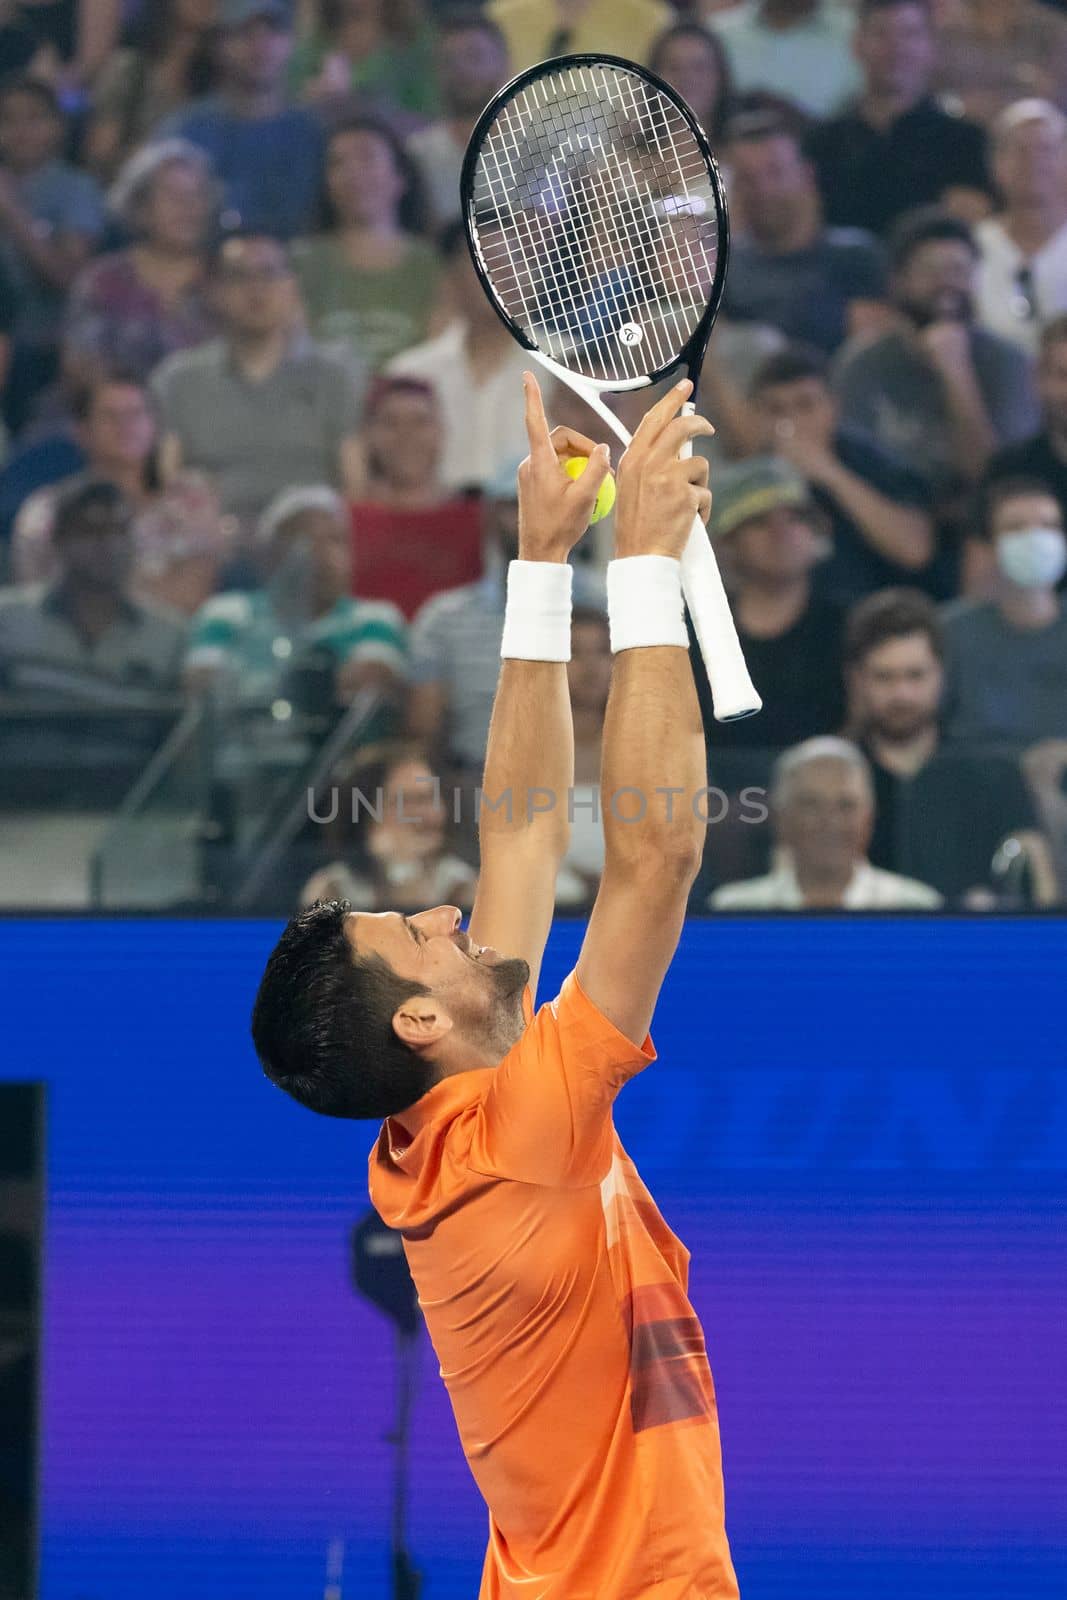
<point x="574" y="466"/>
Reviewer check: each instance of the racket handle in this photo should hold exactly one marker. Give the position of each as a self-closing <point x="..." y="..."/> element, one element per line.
<point x="733" y="693"/>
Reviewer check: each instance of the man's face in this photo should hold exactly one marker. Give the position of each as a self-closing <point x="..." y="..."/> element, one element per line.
<point x="413" y="815"/>
<point x="476" y="987"/>
<point x="825" y="817"/>
<point x="804" y="409"/>
<point x="898" y="687"/>
<point x="471" y="66"/>
<point x="255" y="55"/>
<point x="97" y="553"/>
<point x="1030" y="162"/>
<point x="896" y="49"/>
<point x="692" y="68"/>
<point x="781" y="545"/>
<point x="1052" y="383"/>
<point x="404" y="438"/>
<point x="936" y="284"/>
<point x="770" y="179"/>
<point x="325" y="541"/>
<point x="364" y="182"/>
<point x="120" y="427"/>
<point x="254" y="287"/>
<point x="589" y="668"/>
<point x="177" y="209"/>
<point x="30" y="132"/>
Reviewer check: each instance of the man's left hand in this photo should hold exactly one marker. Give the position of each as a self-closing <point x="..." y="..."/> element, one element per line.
<point x="554" y="509"/>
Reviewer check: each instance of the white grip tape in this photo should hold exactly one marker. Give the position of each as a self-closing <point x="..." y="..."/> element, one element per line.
<point x="537" y="617"/>
<point x="645" y="603"/>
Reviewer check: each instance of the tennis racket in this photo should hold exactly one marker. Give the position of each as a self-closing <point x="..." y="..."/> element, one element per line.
<point x="597" y="224"/>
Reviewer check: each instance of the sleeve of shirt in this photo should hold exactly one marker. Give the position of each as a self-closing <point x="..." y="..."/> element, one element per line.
<point x="377" y="633"/>
<point x="215" y="630"/>
<point x="546" y="1118"/>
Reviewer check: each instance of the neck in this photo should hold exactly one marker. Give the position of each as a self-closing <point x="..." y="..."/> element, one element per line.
<point x="252" y="102"/>
<point x="405" y="496"/>
<point x="1028" y="608"/>
<point x="904" y="757"/>
<point x="487" y="346"/>
<point x="881" y="108"/>
<point x="823" y="886"/>
<point x="170" y="260"/>
<point x="793" y="232"/>
<point x="129" y="476"/>
<point x="94" y="609"/>
<point x="767" y="610"/>
<point x="1033" y="224"/>
<point x="257" y="353"/>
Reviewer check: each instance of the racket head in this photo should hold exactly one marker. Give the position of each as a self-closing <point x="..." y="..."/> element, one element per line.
<point x="597" y="220"/>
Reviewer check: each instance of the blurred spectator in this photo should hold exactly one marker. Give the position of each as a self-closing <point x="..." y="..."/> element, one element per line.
<point x="50" y="219"/>
<point x="20" y="49"/>
<point x="1022" y="268"/>
<point x="472" y="64"/>
<point x="369" y="283"/>
<point x="378" y="48"/>
<point x="46" y="452"/>
<point x="263" y="407"/>
<point x="896" y="148"/>
<point x="267" y="154"/>
<point x="940" y="815"/>
<point x="799" y="49"/>
<point x="411" y="538"/>
<point x="180" y="540"/>
<point x="695" y="63"/>
<point x="995" y="51"/>
<point x="132" y="307"/>
<point x="476" y="368"/>
<point x="400" y="859"/>
<point x="770" y="537"/>
<point x="455" y="641"/>
<point x="249" y="643"/>
<point x="822" y="803"/>
<point x="938" y="390"/>
<point x="816" y="284"/>
<point x="86" y="638"/>
<point x="538" y="29"/>
<point x="878" y="509"/>
<point x="73" y="38"/>
<point x="1007" y="658"/>
<point x="1044" y="456"/>
<point x="170" y="60"/>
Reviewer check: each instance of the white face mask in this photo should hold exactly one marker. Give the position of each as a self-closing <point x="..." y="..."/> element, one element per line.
<point x="1033" y="558"/>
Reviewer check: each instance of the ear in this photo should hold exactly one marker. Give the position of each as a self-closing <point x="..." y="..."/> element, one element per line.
<point x="421" y="1022"/>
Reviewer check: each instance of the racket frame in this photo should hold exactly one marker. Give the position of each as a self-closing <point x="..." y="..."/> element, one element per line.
<point x="733" y="693"/>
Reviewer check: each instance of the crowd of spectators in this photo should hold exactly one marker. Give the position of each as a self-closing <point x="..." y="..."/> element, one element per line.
<point x="261" y="425"/>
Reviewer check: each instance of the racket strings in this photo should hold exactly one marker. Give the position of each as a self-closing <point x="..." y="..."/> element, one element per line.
<point x="596" y="220"/>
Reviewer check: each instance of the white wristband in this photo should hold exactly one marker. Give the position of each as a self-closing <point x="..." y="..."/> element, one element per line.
<point x="537" y="617"/>
<point x="645" y="604"/>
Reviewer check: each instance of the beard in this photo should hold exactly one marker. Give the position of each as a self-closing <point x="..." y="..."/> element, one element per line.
<point x="508" y="976"/>
<point x="952" y="305"/>
<point x="899" y="723"/>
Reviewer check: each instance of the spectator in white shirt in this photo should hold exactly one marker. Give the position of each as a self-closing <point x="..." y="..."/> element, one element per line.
<point x="472" y="64"/>
<point x="476" y="368"/>
<point x="822" y="802"/>
<point x="1022" y="269"/>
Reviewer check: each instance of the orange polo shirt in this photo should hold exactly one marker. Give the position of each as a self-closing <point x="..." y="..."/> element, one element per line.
<point x="555" y="1297"/>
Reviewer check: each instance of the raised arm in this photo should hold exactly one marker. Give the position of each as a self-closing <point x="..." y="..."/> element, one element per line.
<point x="653" y="736"/>
<point x="529" y="767"/>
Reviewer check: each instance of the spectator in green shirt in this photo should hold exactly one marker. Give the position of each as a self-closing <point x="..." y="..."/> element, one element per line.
<point x="369" y="282"/>
<point x="250" y="643"/>
<point x="381" y="48"/>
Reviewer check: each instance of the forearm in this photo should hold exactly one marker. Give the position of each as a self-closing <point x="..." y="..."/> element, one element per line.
<point x="901" y="534"/>
<point x="653" y="766"/>
<point x="529" y="761"/>
<point x="973" y="438"/>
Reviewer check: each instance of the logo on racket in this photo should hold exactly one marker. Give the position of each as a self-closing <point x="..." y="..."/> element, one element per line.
<point x="630" y="334"/>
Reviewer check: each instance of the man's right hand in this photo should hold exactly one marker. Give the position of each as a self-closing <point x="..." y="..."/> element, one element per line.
<point x="658" y="494"/>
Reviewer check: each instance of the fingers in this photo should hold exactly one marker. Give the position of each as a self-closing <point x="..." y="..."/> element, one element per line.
<point x="584" y="490"/>
<point x="658" y="416"/>
<point x="680" y="432"/>
<point x="536" y="421"/>
<point x="568" y="442"/>
<point x="697" y="471"/>
<point x="704" y="506"/>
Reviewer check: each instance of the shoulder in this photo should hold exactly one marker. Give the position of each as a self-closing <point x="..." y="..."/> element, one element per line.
<point x="232" y="610"/>
<point x="891" y="889"/>
<point x="751" y="894"/>
<point x="850" y="242"/>
<point x="189" y="366"/>
<point x="964" y="619"/>
<point x="993" y="351"/>
<point x="441" y="608"/>
<point x="364" y="614"/>
<point x="428" y="357"/>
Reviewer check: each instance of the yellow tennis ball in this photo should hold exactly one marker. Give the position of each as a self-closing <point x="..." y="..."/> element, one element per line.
<point x="574" y="466"/>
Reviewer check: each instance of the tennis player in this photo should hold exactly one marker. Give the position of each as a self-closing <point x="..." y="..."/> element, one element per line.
<point x="553" y="1290"/>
